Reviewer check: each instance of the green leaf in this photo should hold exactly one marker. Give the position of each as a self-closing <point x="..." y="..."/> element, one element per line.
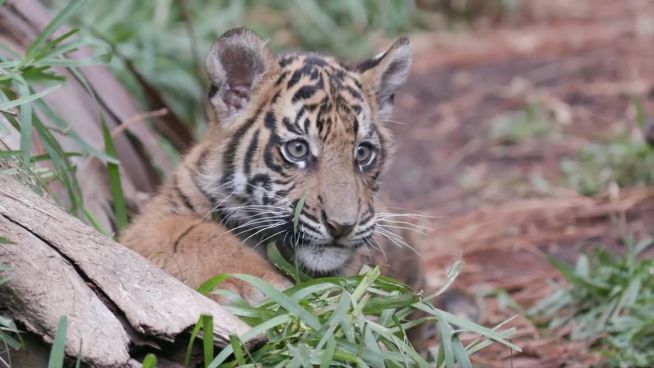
<point x="283" y="300"/>
<point x="446" y="340"/>
<point x="57" y="353"/>
<point x="209" y="285"/>
<point x="460" y="353"/>
<point x="238" y="349"/>
<point x="275" y="256"/>
<point x="4" y="240"/>
<point x="150" y="361"/>
<point x="27" y="98"/>
<point x="113" y="172"/>
<point x="328" y="354"/>
<point x="56" y="22"/>
<point x="194" y="334"/>
<point x="207" y="339"/>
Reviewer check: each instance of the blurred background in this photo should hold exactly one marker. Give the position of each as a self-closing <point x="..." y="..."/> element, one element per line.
<point x="525" y="138"/>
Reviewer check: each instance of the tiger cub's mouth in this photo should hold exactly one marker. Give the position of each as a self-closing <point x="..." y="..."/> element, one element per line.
<point x="323" y="260"/>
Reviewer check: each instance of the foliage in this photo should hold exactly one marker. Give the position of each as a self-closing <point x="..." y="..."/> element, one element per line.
<point x="9" y="334"/>
<point x="519" y="126"/>
<point x="58" y="350"/>
<point x="610" y="299"/>
<point x="626" y="160"/>
<point x="165" y="42"/>
<point x="346" y="321"/>
<point x="24" y="81"/>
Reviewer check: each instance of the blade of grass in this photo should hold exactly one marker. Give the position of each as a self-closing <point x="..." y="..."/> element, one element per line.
<point x="189" y="348"/>
<point x="27" y="98"/>
<point x="460" y="353"/>
<point x="209" y="285"/>
<point x="62" y="16"/>
<point x="113" y="172"/>
<point x="207" y="339"/>
<point x="238" y="350"/>
<point x="283" y="300"/>
<point x="150" y="361"/>
<point x="57" y="352"/>
<point x="297" y="211"/>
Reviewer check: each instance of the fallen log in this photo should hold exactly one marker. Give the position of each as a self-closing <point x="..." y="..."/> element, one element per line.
<point x="113" y="297"/>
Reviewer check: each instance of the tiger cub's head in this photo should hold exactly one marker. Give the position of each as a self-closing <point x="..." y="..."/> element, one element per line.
<point x="299" y="129"/>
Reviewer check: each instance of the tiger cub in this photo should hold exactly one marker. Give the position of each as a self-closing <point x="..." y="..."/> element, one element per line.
<point x="283" y="130"/>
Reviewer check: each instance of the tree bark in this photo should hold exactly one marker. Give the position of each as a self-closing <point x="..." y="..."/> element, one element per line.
<point x="113" y="297"/>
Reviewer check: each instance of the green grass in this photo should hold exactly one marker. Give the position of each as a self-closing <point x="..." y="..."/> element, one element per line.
<point x="624" y="161"/>
<point x="352" y="320"/>
<point x="24" y="81"/>
<point x="609" y="302"/>
<point x="9" y="334"/>
<point x="517" y="127"/>
<point x="346" y="321"/>
<point x="166" y="42"/>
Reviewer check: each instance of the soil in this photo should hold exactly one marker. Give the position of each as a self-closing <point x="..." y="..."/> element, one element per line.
<point x="582" y="65"/>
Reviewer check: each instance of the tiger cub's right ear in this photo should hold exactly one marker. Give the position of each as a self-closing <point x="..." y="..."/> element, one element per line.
<point x="236" y="64"/>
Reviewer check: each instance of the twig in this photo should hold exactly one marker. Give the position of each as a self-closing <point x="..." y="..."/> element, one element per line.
<point x="137" y="119"/>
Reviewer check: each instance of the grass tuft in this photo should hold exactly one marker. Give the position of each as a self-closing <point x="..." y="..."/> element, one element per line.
<point x="346" y="321"/>
<point x="609" y="301"/>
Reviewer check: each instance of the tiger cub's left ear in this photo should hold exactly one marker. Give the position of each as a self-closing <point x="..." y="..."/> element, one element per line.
<point x="386" y="73"/>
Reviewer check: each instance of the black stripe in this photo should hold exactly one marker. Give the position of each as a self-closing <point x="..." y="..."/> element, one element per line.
<point x="304" y="92"/>
<point x="230" y="152"/>
<point x="249" y="154"/>
<point x="185" y="199"/>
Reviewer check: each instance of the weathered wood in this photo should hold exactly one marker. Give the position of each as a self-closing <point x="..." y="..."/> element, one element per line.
<point x="66" y="253"/>
<point x="43" y="286"/>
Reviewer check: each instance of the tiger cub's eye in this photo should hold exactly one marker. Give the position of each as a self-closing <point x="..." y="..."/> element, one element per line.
<point x="364" y="154"/>
<point x="296" y="150"/>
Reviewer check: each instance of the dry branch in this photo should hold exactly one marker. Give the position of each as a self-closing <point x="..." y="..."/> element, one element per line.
<point x="60" y="266"/>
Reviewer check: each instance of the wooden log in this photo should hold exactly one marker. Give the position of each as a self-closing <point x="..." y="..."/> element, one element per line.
<point x="55" y="254"/>
<point x="43" y="286"/>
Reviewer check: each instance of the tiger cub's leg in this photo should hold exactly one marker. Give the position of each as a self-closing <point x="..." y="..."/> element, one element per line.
<point x="194" y="250"/>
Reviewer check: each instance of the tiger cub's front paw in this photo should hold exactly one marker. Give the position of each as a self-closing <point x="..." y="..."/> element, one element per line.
<point x="250" y="293"/>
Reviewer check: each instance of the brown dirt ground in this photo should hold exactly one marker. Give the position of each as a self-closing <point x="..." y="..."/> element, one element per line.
<point x="583" y="62"/>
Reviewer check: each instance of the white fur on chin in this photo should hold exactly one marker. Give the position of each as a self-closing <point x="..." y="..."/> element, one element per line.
<point x="323" y="259"/>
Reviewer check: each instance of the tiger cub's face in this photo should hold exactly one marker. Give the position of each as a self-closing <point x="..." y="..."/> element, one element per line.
<point x="300" y="128"/>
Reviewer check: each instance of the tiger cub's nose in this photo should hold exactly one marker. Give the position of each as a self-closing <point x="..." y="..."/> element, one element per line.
<point x="337" y="229"/>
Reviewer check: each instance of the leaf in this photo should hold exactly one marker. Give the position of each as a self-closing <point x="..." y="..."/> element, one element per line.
<point x="328" y="354"/>
<point x="297" y="211"/>
<point x="209" y="285"/>
<point x="113" y="172"/>
<point x="466" y="324"/>
<point x="4" y="240"/>
<point x="253" y="332"/>
<point x="238" y="349"/>
<point x="460" y="353"/>
<point x="28" y="98"/>
<point x="281" y="299"/>
<point x="285" y="266"/>
<point x="150" y="361"/>
<point x="207" y="338"/>
<point x="57" y="352"/>
<point x="56" y="22"/>
<point x="446" y="342"/>
<point x="189" y="348"/>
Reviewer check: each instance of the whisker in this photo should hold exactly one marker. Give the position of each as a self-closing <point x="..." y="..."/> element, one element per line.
<point x="389" y="227"/>
<point x="405" y="223"/>
<point x="269" y="237"/>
